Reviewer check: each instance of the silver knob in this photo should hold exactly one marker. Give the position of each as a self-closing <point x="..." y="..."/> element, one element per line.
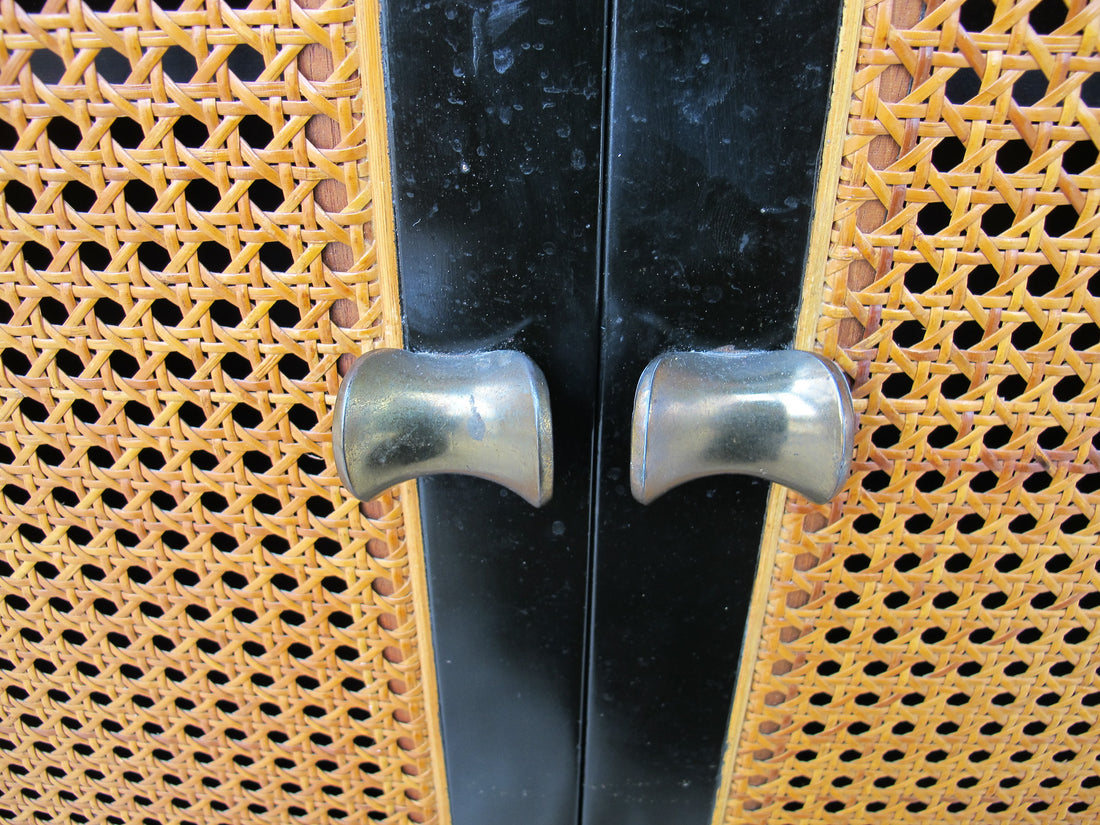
<point x="400" y="415"/>
<point x="783" y="416"/>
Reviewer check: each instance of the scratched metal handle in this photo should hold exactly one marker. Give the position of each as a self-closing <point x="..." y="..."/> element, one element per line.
<point x="400" y="415"/>
<point x="782" y="416"/>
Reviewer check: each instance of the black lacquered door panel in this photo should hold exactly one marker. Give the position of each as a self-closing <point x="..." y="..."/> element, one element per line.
<point x="495" y="119"/>
<point x="594" y="186"/>
<point x="716" y="114"/>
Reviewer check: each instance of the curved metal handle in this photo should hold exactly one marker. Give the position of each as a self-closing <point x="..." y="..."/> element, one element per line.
<point x="400" y="415"/>
<point x="783" y="416"/>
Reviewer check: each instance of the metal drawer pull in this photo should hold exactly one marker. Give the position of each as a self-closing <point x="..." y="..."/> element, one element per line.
<point x="400" y="415"/>
<point x="783" y="416"/>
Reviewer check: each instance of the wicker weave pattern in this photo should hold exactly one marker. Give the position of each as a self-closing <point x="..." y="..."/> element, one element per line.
<point x="930" y="644"/>
<point x="197" y="624"/>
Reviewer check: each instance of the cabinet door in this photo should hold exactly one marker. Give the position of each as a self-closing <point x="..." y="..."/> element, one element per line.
<point x="496" y="117"/>
<point x="715" y="119"/>
<point x="925" y="647"/>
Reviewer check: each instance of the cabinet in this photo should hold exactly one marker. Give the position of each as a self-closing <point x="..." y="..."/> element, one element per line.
<point x="199" y="626"/>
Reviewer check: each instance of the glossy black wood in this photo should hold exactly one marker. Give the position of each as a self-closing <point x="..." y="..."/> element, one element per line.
<point x="716" y="119"/>
<point x="495" y="117"/>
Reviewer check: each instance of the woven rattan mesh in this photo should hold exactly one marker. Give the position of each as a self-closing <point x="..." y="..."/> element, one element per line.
<point x="197" y="625"/>
<point x="929" y="643"/>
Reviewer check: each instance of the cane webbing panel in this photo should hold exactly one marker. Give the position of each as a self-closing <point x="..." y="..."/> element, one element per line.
<point x="197" y="624"/>
<point x="929" y="641"/>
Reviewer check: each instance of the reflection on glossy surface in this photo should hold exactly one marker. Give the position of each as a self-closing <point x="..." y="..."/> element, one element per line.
<point x="400" y="415"/>
<point x="782" y="416"/>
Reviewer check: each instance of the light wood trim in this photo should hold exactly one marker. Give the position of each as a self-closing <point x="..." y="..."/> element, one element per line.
<point x="828" y="181"/>
<point x="410" y="506"/>
<point x="368" y="21"/>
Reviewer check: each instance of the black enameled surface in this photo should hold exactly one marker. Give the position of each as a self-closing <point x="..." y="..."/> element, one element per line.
<point x="716" y="119"/>
<point x="495" y="118"/>
<point x="716" y="116"/>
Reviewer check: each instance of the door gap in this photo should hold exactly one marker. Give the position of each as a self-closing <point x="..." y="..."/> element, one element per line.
<point x="597" y="430"/>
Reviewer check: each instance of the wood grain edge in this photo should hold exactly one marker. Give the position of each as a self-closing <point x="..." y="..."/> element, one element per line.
<point x="832" y="153"/>
<point x="368" y="21"/>
<point x="418" y="573"/>
<point x="812" y="294"/>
